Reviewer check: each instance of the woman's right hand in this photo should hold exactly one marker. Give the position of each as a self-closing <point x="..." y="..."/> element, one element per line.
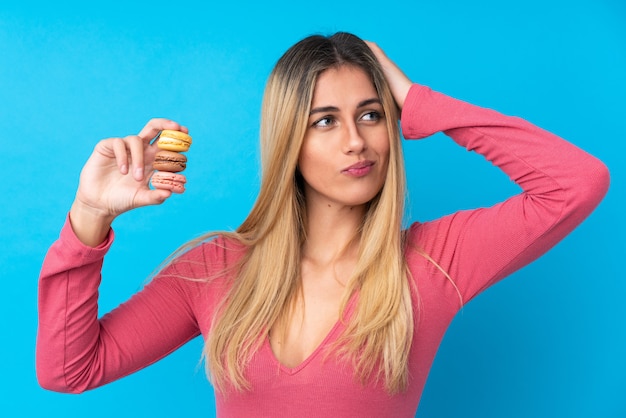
<point x="115" y="180"/>
<point x="399" y="83"/>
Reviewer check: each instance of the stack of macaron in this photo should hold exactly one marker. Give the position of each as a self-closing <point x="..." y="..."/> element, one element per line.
<point x="169" y="161"/>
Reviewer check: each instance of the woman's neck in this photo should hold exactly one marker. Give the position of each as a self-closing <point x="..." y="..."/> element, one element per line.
<point x="332" y="232"/>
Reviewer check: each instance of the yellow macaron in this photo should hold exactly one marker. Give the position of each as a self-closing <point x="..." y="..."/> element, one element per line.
<point x="174" y="141"/>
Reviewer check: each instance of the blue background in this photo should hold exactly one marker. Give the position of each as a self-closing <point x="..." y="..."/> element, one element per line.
<point x="548" y="341"/>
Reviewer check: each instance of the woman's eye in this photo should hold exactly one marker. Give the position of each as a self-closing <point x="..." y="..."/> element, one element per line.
<point x="323" y="122"/>
<point x="371" y="116"/>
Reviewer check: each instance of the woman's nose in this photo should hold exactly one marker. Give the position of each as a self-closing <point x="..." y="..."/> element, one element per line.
<point x="353" y="141"/>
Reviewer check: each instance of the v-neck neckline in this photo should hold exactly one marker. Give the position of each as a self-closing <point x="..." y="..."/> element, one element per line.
<point x="330" y="336"/>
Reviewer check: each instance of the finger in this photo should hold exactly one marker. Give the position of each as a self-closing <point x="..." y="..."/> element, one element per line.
<point x="121" y="154"/>
<point x="156" y="125"/>
<point x="378" y="52"/>
<point x="399" y="83"/>
<point x="136" y="147"/>
<point x="151" y="197"/>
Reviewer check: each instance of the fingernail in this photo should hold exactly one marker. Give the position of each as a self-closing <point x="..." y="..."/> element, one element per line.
<point x="139" y="173"/>
<point x="124" y="169"/>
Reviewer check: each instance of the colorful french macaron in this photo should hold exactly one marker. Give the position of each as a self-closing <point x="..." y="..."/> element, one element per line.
<point x="174" y="141"/>
<point x="168" y="181"/>
<point x="171" y="161"/>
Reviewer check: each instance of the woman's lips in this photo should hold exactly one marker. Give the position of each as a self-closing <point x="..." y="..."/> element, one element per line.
<point x="359" y="169"/>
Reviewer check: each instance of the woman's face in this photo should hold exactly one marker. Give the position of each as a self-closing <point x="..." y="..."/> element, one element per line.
<point x="345" y="152"/>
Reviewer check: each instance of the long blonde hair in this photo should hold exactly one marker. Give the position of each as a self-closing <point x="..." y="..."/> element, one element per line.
<point x="266" y="282"/>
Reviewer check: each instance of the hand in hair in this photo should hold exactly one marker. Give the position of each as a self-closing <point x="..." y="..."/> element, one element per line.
<point x="115" y="180"/>
<point x="398" y="81"/>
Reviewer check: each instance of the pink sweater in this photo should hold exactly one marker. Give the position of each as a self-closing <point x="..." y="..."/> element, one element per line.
<point x="561" y="185"/>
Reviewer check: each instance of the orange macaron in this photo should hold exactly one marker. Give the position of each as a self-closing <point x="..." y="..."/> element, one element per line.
<point x="174" y="141"/>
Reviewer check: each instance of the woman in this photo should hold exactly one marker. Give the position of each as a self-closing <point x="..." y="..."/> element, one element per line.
<point x="319" y="304"/>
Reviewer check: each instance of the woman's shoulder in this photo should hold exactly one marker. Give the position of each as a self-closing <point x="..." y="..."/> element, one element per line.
<point x="441" y="231"/>
<point x="436" y="238"/>
<point x="425" y="233"/>
<point x="207" y="257"/>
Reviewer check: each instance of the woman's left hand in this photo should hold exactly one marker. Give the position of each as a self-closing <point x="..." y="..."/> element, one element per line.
<point x="398" y="81"/>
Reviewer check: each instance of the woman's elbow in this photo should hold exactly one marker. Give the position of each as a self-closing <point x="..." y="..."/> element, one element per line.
<point x="54" y="384"/>
<point x="596" y="183"/>
<point x="52" y="379"/>
<point x="589" y="189"/>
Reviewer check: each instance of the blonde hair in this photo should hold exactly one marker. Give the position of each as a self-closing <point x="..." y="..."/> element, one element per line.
<point x="266" y="283"/>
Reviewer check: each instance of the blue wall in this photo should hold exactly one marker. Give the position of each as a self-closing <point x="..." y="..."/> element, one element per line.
<point x="549" y="341"/>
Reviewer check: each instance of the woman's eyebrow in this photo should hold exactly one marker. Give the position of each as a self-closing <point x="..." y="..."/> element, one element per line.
<point x="325" y="109"/>
<point x="369" y="102"/>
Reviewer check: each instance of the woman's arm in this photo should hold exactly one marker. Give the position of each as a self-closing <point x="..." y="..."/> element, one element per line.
<point x="561" y="185"/>
<point x="75" y="350"/>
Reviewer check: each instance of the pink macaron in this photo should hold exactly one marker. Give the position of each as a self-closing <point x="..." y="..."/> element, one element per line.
<point x="168" y="181"/>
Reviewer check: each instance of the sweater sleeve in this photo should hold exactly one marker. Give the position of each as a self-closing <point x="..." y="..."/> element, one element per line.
<point x="561" y="185"/>
<point x="75" y="350"/>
